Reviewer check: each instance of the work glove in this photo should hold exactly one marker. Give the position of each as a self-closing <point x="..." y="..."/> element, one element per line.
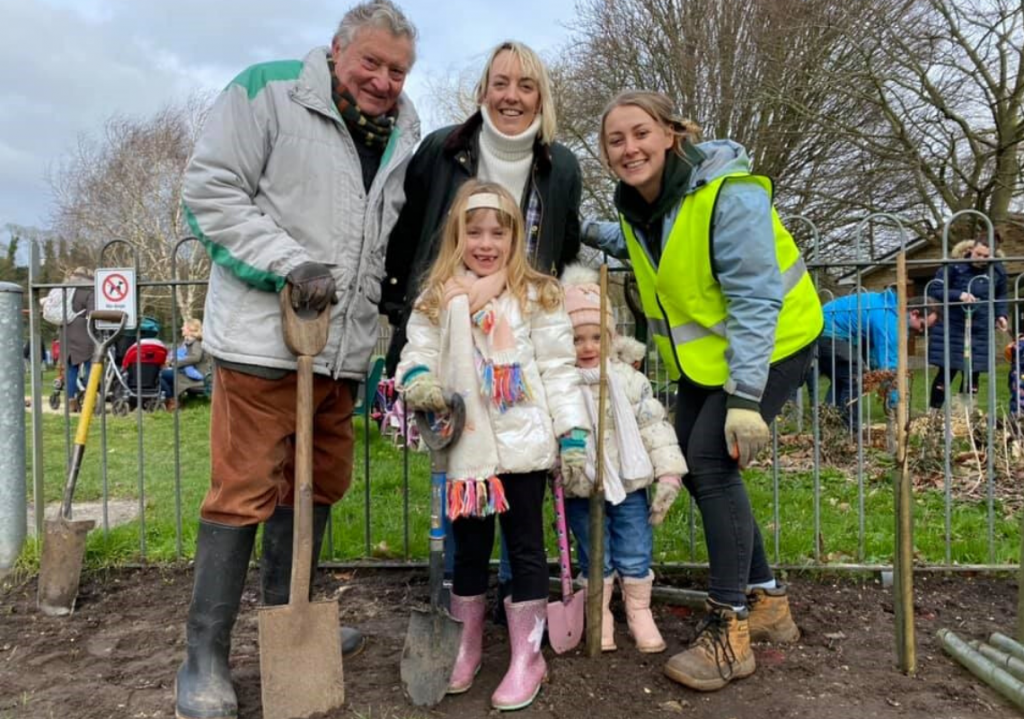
<point x="423" y="392"/>
<point x="572" y="451"/>
<point x="312" y="287"/>
<point x="665" y="493"/>
<point x="746" y="433"/>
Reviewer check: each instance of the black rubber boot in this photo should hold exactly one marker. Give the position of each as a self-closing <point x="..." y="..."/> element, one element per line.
<point x="202" y="688"/>
<point x="276" y="565"/>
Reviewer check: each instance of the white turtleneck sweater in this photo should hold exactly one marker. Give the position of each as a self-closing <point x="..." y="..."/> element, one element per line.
<point x="504" y="159"/>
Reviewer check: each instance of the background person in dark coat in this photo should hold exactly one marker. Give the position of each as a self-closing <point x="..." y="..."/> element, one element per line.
<point x="967" y="295"/>
<point x="509" y="140"/>
<point x="77" y="348"/>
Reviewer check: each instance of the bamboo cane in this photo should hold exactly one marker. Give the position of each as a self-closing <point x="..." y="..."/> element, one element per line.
<point x="690" y="598"/>
<point x="999" y="679"/>
<point x="595" y="578"/>
<point x="1001" y="641"/>
<point x="903" y="564"/>
<point x="1000" y="658"/>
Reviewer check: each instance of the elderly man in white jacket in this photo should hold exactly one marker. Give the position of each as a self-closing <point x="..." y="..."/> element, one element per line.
<point x="296" y="180"/>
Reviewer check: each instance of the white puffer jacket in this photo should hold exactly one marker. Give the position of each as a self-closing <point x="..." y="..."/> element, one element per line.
<point x="525" y="434"/>
<point x="658" y="436"/>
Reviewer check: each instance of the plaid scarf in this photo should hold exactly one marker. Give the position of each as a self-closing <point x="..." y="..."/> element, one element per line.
<point x="374" y="132"/>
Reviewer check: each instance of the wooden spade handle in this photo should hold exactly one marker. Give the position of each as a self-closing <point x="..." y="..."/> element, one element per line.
<point x="304" y="334"/>
<point x="305" y="338"/>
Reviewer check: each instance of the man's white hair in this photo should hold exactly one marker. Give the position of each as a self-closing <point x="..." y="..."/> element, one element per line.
<point x="383" y="14"/>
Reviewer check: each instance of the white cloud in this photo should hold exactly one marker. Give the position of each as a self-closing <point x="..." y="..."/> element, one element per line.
<point x="66" y="65"/>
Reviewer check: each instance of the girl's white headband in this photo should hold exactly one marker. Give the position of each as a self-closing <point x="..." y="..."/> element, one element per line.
<point x="488" y="200"/>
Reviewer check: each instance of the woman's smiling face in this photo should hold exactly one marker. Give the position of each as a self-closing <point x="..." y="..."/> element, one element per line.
<point x="635" y="145"/>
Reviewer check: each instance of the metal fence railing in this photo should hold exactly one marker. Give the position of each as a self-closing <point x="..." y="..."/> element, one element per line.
<point x="822" y="496"/>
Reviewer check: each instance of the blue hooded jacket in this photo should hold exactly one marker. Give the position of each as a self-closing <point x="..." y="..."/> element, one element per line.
<point x="866" y="320"/>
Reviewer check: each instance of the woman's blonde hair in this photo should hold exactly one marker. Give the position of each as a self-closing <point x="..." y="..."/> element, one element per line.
<point x="521" y="276"/>
<point x="533" y="68"/>
<point x="661" y="109"/>
<point x="195" y="327"/>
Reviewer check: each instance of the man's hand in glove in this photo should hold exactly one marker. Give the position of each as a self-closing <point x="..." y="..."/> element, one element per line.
<point x="423" y="392"/>
<point x="665" y="493"/>
<point x="746" y="433"/>
<point x="312" y="287"/>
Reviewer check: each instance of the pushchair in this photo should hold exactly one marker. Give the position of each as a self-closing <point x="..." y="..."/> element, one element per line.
<point x="133" y="370"/>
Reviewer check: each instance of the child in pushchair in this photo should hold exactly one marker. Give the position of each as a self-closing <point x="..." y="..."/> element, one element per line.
<point x="134" y="373"/>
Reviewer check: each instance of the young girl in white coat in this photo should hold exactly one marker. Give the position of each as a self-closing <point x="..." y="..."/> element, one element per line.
<point x="640" y="449"/>
<point x="492" y="329"/>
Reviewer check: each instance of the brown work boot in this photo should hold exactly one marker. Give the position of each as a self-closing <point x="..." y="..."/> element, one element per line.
<point x="170" y="404"/>
<point x="720" y="653"/>
<point x="73" y="405"/>
<point x="770" y="620"/>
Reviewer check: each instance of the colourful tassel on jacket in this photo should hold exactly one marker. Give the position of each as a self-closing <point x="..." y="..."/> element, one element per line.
<point x="475" y="497"/>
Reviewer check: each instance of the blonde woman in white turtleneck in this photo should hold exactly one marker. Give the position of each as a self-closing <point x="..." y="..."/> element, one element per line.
<point x="510" y="140"/>
<point x="507" y="159"/>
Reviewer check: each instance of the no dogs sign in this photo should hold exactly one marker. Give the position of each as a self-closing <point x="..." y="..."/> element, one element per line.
<point x="115" y="290"/>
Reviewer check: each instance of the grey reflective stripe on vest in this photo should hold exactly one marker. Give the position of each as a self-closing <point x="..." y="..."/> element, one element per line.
<point x="658" y="326"/>
<point x="691" y="331"/>
<point x="792" y="276"/>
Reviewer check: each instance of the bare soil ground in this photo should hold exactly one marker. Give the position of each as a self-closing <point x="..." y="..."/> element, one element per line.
<point x="117" y="655"/>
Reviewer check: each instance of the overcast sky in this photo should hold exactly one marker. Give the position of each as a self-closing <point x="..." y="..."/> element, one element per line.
<point x="66" y="65"/>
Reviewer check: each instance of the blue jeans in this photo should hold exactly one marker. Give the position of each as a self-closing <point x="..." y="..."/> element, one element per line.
<point x="167" y="382"/>
<point x="73" y="370"/>
<point x="628" y="538"/>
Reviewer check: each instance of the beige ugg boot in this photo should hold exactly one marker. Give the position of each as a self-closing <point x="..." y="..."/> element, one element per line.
<point x="637" y="593"/>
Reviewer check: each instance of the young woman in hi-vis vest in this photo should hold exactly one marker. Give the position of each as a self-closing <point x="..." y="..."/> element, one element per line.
<point x="734" y="315"/>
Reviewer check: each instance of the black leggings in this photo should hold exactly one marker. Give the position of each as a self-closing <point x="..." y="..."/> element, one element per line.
<point x="522" y="526"/>
<point x="735" y="547"/>
<point x="938" y="394"/>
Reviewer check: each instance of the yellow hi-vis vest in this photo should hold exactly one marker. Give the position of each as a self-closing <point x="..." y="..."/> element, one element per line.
<point x="683" y="301"/>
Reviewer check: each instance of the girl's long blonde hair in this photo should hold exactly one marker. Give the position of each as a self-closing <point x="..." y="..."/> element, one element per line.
<point x="521" y="276"/>
<point x="661" y="109"/>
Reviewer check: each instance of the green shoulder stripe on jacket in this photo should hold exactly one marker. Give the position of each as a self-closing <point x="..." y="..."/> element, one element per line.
<point x="256" y="77"/>
<point x="261" y="280"/>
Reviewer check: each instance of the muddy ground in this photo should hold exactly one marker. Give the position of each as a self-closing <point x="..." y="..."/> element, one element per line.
<point x="116" y="656"/>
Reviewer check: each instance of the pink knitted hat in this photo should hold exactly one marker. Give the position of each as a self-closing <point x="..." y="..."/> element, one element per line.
<point x="583" y="298"/>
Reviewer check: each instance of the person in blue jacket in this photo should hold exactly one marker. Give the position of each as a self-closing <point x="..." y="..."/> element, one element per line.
<point x="967" y="300"/>
<point x="865" y="324"/>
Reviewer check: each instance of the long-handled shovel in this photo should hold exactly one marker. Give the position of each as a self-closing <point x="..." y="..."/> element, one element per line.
<point x="432" y="641"/>
<point x="300" y="656"/>
<point x="60" y="567"/>
<point x="565" y="615"/>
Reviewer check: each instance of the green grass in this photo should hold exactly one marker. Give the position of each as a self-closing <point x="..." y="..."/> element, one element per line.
<point x="840" y="539"/>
